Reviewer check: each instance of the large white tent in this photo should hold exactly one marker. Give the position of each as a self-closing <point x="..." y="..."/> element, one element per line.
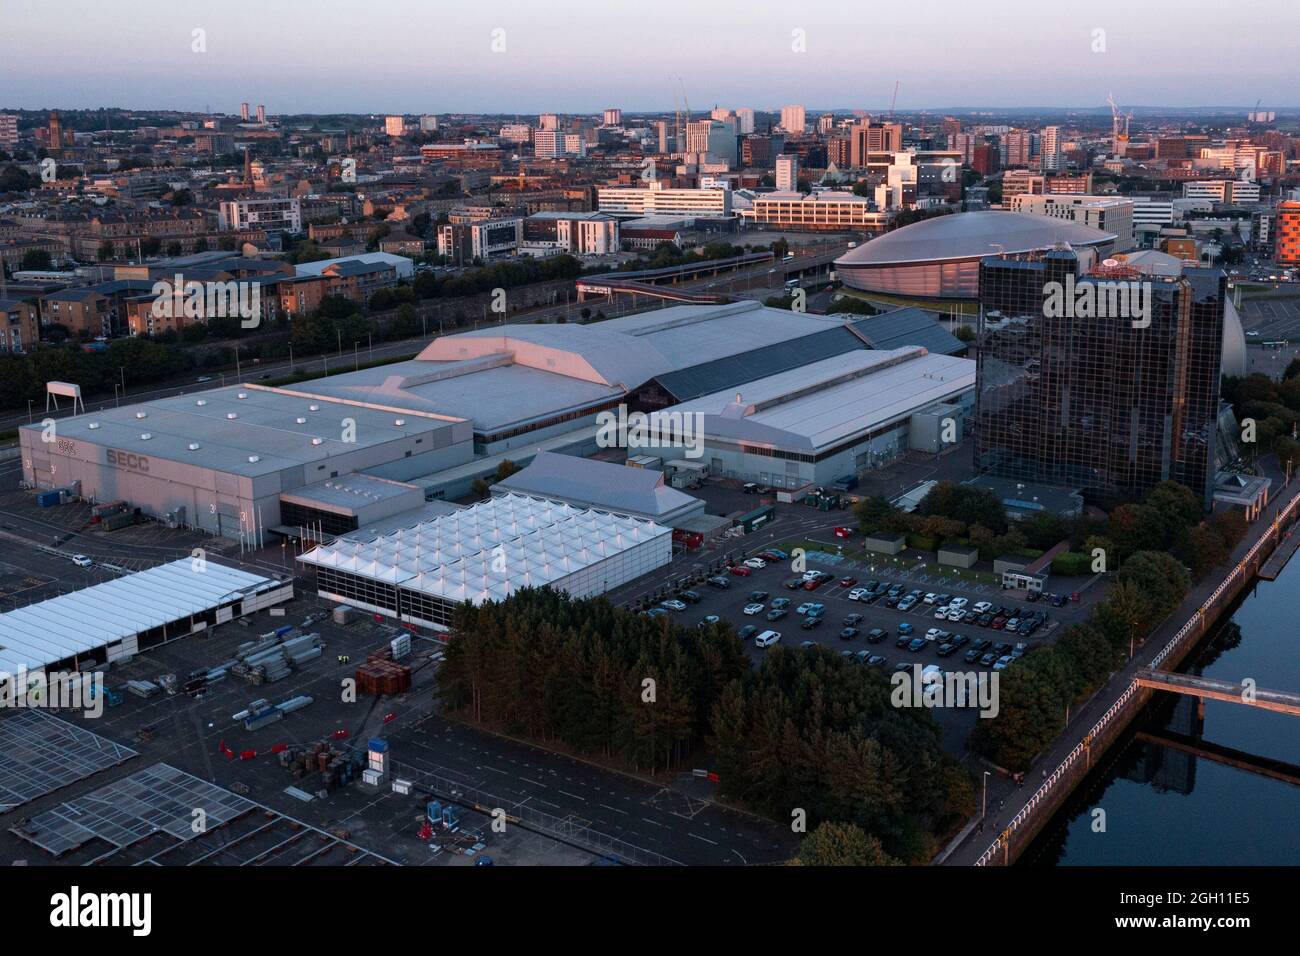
<point x="105" y="621"/>
<point x="490" y="550"/>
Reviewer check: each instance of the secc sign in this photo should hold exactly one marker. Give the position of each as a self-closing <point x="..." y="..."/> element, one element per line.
<point x="126" y="459"/>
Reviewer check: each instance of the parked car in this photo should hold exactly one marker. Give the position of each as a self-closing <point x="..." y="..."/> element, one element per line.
<point x="902" y="666"/>
<point x="767" y="638"/>
<point x="673" y="605"/>
<point x="984" y="620"/>
<point x="813" y="584"/>
<point x="708" y="619"/>
<point x="980" y="645"/>
<point x="816" y="610"/>
<point x="776" y="614"/>
<point x="803" y="608"/>
<point x="848" y="582"/>
<point x="852" y="620"/>
<point x="917" y="644"/>
<point x="929" y="598"/>
<point x="748" y="631"/>
<point x="875" y="635"/>
<point x="758" y="564"/>
<point x="903" y="640"/>
<point x="1002" y="663"/>
<point x="780" y="604"/>
<point x="690" y="597"/>
<point x="905" y="628"/>
<point x="875" y="660"/>
<point x="655" y="612"/>
<point x="857" y="594"/>
<point x="794" y="583"/>
<point x="972" y="656"/>
<point x="81" y="561"/>
<point x="907" y="603"/>
<point x="810" y="621"/>
<point x="807" y="644"/>
<point x="741" y="571"/>
<point x="981" y="606"/>
<point x="758" y="595"/>
<point x="988" y="659"/>
<point x="946" y="649"/>
<point x="718" y="581"/>
<point x="847" y="634"/>
<point x="751" y="609"/>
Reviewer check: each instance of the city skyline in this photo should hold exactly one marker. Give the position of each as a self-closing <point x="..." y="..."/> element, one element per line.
<point x="470" y="60"/>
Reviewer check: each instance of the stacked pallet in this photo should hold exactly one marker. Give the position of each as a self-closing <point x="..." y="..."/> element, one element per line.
<point x="331" y="767"/>
<point x="380" y="676"/>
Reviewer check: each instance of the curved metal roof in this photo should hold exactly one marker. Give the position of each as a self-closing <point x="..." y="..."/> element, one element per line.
<point x="969" y="235"/>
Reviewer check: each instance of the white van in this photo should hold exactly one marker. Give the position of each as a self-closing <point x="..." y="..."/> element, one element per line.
<point x="767" y="638"/>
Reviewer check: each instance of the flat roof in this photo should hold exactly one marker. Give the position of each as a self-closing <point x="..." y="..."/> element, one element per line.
<point x="456" y="557"/>
<point x="830" y="401"/>
<point x="264" y="437"/>
<point x="350" y="492"/>
<point x="40" y="634"/>
<point x="600" y="484"/>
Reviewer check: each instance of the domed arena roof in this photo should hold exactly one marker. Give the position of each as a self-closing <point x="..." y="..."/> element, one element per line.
<point x="971" y="234"/>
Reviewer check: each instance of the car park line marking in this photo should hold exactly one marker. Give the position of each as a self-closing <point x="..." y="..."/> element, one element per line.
<point x="705" y="839"/>
<point x="573" y="795"/>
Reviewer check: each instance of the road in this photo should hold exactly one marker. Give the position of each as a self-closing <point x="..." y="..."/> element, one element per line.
<point x="1005" y="799"/>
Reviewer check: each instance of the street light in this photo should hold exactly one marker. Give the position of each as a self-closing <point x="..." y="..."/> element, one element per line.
<point x="984" y="810"/>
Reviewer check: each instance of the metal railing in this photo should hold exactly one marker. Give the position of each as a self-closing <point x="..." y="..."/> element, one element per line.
<point x="1193" y="623"/>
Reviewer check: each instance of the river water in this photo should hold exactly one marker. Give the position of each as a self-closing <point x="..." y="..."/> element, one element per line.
<point x="1162" y="806"/>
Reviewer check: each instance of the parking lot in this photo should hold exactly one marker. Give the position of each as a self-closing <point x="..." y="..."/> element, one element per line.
<point x="768" y="584"/>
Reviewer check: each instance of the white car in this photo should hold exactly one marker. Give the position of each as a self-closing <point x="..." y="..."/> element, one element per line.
<point x="767" y="638"/>
<point x="957" y="602"/>
<point x="956" y="613"/>
<point x="673" y="605"/>
<point x="934" y="633"/>
<point x="982" y="607"/>
<point x="811" y="575"/>
<point x="804" y="608"/>
<point x="754" y="608"/>
<point x="929" y="598"/>
<point x="941" y="613"/>
<point x="857" y="594"/>
<point x="756" y="563"/>
<point x="81" y="561"/>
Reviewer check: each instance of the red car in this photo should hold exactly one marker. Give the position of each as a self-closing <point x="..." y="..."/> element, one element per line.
<point x="848" y="582"/>
<point x="812" y="585"/>
<point x="741" y="571"/>
<point x="998" y="623"/>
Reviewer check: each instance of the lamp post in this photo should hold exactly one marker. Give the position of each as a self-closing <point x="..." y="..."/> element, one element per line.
<point x="984" y="810"/>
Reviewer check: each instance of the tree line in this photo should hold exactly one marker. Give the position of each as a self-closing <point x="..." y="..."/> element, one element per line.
<point x="806" y="733"/>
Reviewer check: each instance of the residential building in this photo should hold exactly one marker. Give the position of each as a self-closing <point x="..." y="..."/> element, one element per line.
<point x="8" y="131"/>
<point x="657" y="200"/>
<point x="271" y="214"/>
<point x="787" y="172"/>
<point x="1286" y="234"/>
<point x="818" y="211"/>
<point x="1107" y="213"/>
<point x="19" y="327"/>
<point x="868" y="137"/>
<point x="793" y="119"/>
<point x="577" y="233"/>
<point x="395" y="125"/>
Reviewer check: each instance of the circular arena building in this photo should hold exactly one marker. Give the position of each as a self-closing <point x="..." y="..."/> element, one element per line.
<point x="939" y="258"/>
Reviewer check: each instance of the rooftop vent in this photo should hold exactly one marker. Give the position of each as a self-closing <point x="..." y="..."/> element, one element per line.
<point x="399" y="421"/>
<point x="318" y="441"/>
<point x="201" y="401"/>
<point x="301" y="421"/>
<point x="141" y="414"/>
<point x="231" y="415"/>
<point x="93" y="425"/>
<point x="145" y="436"/>
<point x="242" y="395"/>
<point x="313" y="408"/>
<point x="254" y="458"/>
<point x="195" y="446"/>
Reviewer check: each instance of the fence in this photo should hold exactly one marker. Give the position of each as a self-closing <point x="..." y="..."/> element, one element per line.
<point x="1108" y="726"/>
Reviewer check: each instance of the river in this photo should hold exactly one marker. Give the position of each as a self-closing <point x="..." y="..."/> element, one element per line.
<point x="1161" y="806"/>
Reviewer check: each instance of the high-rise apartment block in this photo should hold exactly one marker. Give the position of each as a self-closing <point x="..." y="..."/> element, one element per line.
<point x="793" y="119"/>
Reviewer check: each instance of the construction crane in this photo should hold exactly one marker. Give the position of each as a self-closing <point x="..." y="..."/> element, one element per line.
<point x="1116" y="137"/>
<point x="893" y="101"/>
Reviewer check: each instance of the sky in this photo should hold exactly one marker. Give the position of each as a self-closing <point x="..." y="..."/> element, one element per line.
<point x="579" y="56"/>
